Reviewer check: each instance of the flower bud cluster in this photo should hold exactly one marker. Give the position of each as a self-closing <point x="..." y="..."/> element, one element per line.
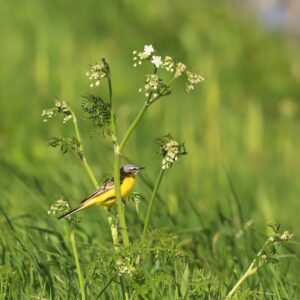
<point x="170" y="150"/>
<point x="192" y="80"/>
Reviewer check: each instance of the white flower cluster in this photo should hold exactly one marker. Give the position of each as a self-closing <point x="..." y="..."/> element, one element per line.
<point x="58" y="207"/>
<point x="139" y="57"/>
<point x="172" y="153"/>
<point x="60" y="107"/>
<point x="97" y="73"/>
<point x="168" y="64"/>
<point x="192" y="80"/>
<point x="148" y="54"/>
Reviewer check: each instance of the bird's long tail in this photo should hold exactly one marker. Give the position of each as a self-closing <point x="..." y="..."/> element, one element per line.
<point x="71" y="212"/>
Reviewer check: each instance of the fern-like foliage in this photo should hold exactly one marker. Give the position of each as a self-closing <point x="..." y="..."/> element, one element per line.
<point x="66" y="144"/>
<point x="98" y="111"/>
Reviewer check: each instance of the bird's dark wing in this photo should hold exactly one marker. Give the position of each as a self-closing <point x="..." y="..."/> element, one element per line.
<point x="106" y="186"/>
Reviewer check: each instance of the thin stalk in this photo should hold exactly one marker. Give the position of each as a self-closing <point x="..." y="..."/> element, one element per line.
<point x="251" y="270"/>
<point x="80" y="278"/>
<point x="150" y="207"/>
<point x="118" y="150"/>
<point x="82" y="156"/>
<point x="133" y="126"/>
<point x="120" y="208"/>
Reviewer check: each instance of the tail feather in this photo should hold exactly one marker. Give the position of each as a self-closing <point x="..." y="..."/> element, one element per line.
<point x="71" y="212"/>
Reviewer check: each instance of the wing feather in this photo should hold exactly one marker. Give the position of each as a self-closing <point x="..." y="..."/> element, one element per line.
<point x="107" y="185"/>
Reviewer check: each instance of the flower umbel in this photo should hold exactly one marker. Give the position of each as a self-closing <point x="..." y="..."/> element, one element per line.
<point x="97" y="73"/>
<point x="154" y="88"/>
<point x="170" y="150"/>
<point x="168" y="64"/>
<point x="60" y="107"/>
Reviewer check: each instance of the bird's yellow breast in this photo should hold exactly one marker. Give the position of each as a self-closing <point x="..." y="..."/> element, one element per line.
<point x="127" y="185"/>
<point x="108" y="198"/>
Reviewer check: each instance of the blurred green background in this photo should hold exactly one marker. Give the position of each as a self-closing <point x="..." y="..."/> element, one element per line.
<point x="244" y="118"/>
<point x="241" y="125"/>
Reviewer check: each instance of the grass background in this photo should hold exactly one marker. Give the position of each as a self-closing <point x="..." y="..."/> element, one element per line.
<point x="241" y="129"/>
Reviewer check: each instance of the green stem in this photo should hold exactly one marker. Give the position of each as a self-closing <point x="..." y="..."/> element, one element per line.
<point x="118" y="150"/>
<point x="240" y="281"/>
<point x="120" y="208"/>
<point x="150" y="207"/>
<point x="251" y="270"/>
<point x="133" y="126"/>
<point x="82" y="156"/>
<point x="80" y="278"/>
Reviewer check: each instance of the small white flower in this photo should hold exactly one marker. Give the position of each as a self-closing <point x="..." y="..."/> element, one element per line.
<point x="148" y="49"/>
<point x="156" y="60"/>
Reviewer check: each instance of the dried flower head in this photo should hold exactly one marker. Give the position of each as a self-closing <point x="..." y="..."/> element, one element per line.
<point x="170" y="150"/>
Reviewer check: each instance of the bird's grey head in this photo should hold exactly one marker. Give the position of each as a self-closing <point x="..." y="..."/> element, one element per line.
<point x="130" y="169"/>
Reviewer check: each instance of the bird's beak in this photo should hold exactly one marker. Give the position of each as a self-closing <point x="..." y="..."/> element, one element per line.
<point x="141" y="168"/>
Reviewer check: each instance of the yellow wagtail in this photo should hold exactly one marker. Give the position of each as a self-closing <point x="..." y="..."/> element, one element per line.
<point x="105" y="195"/>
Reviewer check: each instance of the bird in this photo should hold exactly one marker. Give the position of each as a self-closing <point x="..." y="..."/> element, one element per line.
<point x="106" y="194"/>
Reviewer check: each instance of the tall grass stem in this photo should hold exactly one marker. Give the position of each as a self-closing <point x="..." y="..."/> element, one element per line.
<point x="80" y="278"/>
<point x="118" y="152"/>
<point x="150" y="207"/>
